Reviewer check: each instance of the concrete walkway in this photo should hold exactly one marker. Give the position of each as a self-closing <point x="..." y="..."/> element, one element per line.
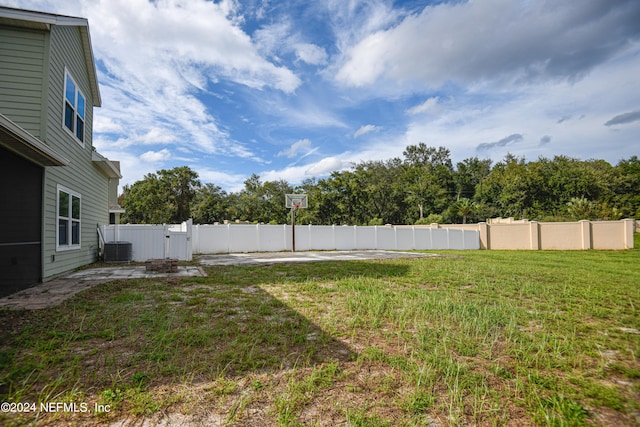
<point x="56" y="291"/>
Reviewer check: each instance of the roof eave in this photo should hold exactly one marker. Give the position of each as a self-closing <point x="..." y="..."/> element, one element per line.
<point x="91" y="65"/>
<point x="21" y="142"/>
<point x="106" y="166"/>
<point x="43" y="21"/>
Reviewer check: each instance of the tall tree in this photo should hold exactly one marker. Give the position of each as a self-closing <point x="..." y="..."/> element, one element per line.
<point x="428" y="179"/>
<point x="261" y="202"/>
<point x="507" y="187"/>
<point x="469" y="174"/>
<point x="210" y="205"/>
<point x="382" y="193"/>
<point x="627" y="188"/>
<point x="159" y="198"/>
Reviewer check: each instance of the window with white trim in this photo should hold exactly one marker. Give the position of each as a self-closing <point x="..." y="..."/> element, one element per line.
<point x="74" y="111"/>
<point x="69" y="224"/>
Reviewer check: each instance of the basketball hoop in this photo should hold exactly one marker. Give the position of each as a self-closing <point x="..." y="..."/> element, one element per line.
<point x="295" y="202"/>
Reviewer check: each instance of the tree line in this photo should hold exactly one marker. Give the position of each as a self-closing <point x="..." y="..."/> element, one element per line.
<point x="424" y="186"/>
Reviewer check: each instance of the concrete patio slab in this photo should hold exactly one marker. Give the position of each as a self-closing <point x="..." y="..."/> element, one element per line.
<point x="311" y="256"/>
<point x="56" y="291"/>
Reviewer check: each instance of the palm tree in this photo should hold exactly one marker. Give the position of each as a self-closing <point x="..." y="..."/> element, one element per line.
<point x="581" y="208"/>
<point x="465" y="207"/>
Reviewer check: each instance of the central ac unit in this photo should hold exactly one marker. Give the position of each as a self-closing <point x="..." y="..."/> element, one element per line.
<point x="117" y="252"/>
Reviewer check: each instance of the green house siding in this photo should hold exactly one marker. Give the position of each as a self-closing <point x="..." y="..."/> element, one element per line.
<point x="82" y="176"/>
<point x="22" y="77"/>
<point x="36" y="55"/>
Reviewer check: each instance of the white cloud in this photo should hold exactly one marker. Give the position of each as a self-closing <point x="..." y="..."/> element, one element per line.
<point x="279" y="39"/>
<point x="355" y="19"/>
<point x="535" y="113"/>
<point x="291" y="174"/>
<point x="228" y="181"/>
<point x="310" y="53"/>
<point x="156" y="156"/>
<point x="304" y="145"/>
<point x="103" y="124"/>
<point x="324" y="167"/>
<point x="503" y="40"/>
<point x="269" y="38"/>
<point x="365" y="130"/>
<point x="296" y="174"/>
<point x="428" y="106"/>
<point x="199" y="36"/>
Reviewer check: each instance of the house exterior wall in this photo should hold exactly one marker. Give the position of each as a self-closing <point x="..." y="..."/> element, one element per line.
<point x="37" y="50"/>
<point x="22" y="77"/>
<point x="82" y="177"/>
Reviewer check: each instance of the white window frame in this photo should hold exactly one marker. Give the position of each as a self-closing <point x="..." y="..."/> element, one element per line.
<point x="76" y="117"/>
<point x="69" y="245"/>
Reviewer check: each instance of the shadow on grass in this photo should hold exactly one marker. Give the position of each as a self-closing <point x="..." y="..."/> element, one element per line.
<point x="168" y="331"/>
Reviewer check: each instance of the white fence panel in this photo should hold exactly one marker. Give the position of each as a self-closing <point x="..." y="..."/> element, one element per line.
<point x="209" y="239"/>
<point x="422" y="238"/>
<point x="181" y="241"/>
<point x="303" y="237"/>
<point x="440" y="240"/>
<point x="147" y="241"/>
<point x="405" y="238"/>
<point x="471" y="239"/>
<point x="456" y="239"/>
<point x="366" y="237"/>
<point x="272" y="238"/>
<point x="322" y="237"/>
<point x="243" y="238"/>
<point x="153" y="241"/>
<point x="344" y="238"/>
<point x="386" y="238"/>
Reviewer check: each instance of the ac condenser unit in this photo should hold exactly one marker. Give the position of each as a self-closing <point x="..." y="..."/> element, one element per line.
<point x="117" y="252"/>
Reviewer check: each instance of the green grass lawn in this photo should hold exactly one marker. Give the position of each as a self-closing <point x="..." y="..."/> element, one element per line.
<point x="470" y="338"/>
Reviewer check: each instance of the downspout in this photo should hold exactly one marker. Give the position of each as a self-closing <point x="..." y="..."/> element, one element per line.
<point x="101" y="243"/>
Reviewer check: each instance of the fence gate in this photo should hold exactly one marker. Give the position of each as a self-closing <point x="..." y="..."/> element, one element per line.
<point x="178" y="241"/>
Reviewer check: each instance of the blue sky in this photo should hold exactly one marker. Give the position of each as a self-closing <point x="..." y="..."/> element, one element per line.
<point x="297" y="89"/>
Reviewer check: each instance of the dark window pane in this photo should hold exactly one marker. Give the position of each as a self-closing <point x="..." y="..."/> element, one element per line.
<point x="63" y="204"/>
<point x="75" y="233"/>
<point x="68" y="116"/>
<point x="75" y="207"/>
<point x="63" y="232"/>
<point x="80" y="130"/>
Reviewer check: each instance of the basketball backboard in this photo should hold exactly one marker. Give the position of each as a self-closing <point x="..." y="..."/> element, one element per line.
<point x="297" y="201"/>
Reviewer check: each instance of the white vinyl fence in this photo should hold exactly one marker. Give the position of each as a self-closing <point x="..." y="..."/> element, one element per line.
<point x="230" y="238"/>
<point x="182" y="240"/>
<point x="153" y="241"/>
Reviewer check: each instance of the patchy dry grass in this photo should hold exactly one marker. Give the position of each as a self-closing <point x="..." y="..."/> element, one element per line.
<point x="472" y="338"/>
